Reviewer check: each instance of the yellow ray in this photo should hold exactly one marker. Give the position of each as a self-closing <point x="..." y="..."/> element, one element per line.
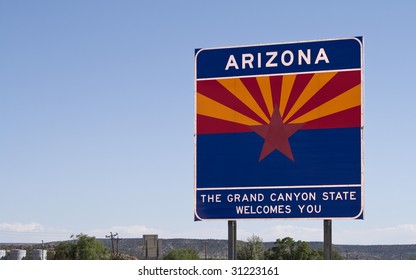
<point x="264" y="84"/>
<point x="237" y="88"/>
<point x="207" y="107"/>
<point x="287" y="85"/>
<point x="315" y="84"/>
<point x="347" y="100"/>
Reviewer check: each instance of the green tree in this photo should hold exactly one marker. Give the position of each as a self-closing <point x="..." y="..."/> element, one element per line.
<point x="84" y="247"/>
<point x="253" y="249"/>
<point x="89" y="248"/>
<point x="289" y="249"/>
<point x="182" y="254"/>
<point x="63" y="251"/>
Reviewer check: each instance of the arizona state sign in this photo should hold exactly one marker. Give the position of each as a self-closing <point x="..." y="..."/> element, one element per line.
<point x="279" y="131"/>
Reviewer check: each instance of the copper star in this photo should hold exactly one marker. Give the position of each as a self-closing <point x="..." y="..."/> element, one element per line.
<point x="276" y="135"/>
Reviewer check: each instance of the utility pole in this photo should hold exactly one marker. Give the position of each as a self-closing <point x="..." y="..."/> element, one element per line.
<point x="112" y="241"/>
<point x="117" y="240"/>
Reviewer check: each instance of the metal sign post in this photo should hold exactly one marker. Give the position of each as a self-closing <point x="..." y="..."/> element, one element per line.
<point x="232" y="240"/>
<point x="327" y="239"/>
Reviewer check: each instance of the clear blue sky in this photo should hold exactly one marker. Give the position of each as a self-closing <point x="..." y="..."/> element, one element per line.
<point x="97" y="114"/>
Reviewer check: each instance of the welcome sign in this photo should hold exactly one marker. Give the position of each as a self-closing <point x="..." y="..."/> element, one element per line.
<point x="278" y="131"/>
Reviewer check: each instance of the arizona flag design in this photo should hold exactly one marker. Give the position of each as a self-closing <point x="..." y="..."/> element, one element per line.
<point x="279" y="130"/>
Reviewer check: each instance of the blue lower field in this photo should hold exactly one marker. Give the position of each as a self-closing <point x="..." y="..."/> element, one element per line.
<point x="321" y="157"/>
